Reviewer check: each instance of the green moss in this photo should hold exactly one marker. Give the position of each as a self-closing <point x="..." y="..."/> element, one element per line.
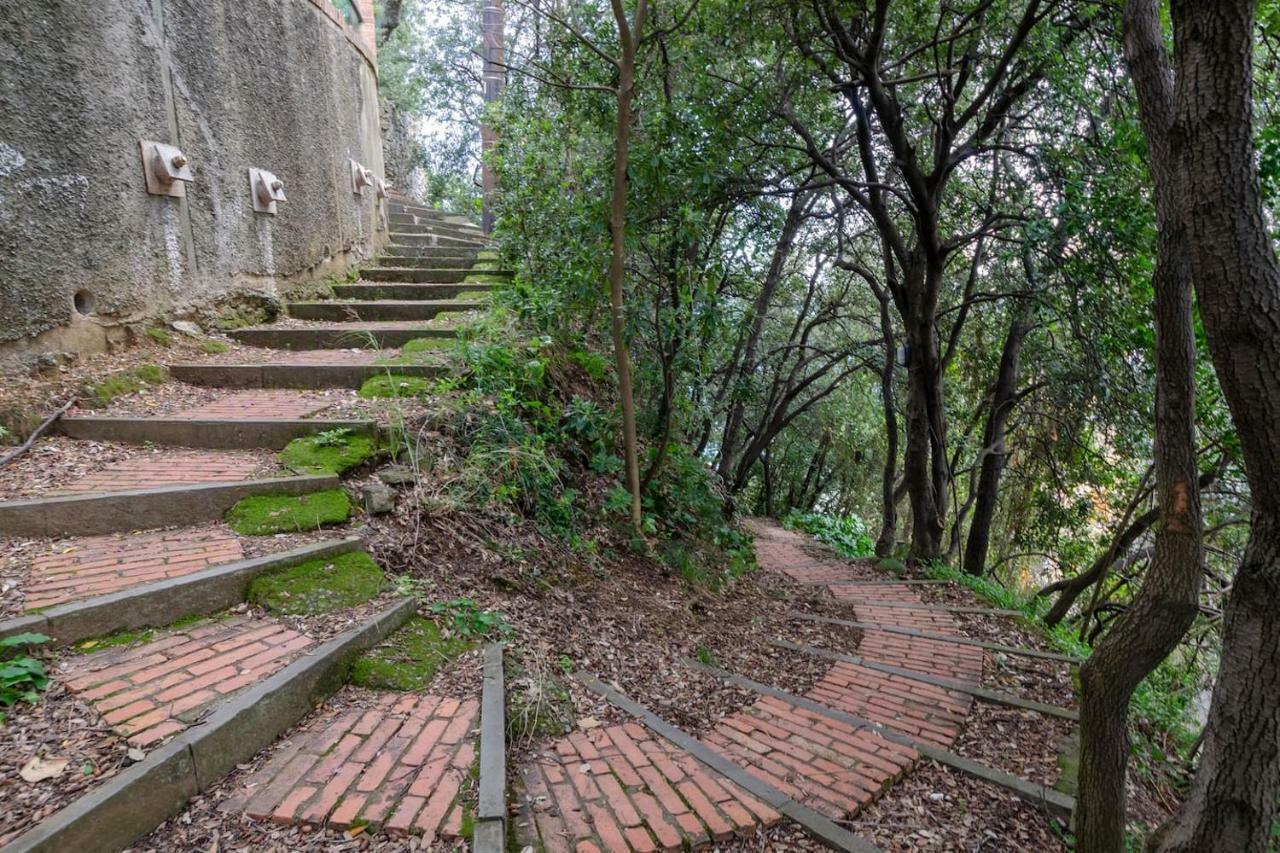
<point x="214" y="347"/>
<point x="482" y="277"/>
<point x="408" y="659"/>
<point x="261" y="515"/>
<point x="329" y="452"/>
<point x="394" y="385"/>
<point x="127" y="382"/>
<point x="160" y="336"/>
<point x="470" y="295"/>
<point x="152" y="374"/>
<point x="424" y="345"/>
<point x="119" y="638"/>
<point x="319" y="586"/>
<point x="889" y="564"/>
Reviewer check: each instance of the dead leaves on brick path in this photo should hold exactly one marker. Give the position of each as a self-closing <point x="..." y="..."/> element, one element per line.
<point x="60" y="731"/>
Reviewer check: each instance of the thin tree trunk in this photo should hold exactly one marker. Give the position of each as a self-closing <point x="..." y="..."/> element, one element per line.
<point x="1157" y="619"/>
<point x="994" y="454"/>
<point x="888" y="499"/>
<point x="629" y="42"/>
<point x="924" y="463"/>
<point x="1233" y="798"/>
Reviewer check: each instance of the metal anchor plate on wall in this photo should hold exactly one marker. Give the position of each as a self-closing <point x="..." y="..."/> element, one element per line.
<point x="166" y="169"/>
<point x="265" y="189"/>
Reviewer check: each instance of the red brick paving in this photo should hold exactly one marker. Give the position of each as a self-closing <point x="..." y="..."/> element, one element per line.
<point x="98" y="565"/>
<point x="397" y="766"/>
<point x="624" y="788"/>
<point x="259" y="405"/>
<point x="157" y="688"/>
<point x="585" y="800"/>
<point x="165" y="469"/>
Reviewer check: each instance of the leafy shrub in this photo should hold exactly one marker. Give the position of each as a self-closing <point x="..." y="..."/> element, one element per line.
<point x="468" y="619"/>
<point x="847" y="534"/>
<point x="22" y="676"/>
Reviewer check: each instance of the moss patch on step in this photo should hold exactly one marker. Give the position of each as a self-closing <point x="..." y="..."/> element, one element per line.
<point x="126" y="382"/>
<point x="214" y="347"/>
<point x="394" y="385"/>
<point x="484" y="277"/>
<point x="409" y="659"/>
<point x="329" y="452"/>
<point x="262" y="515"/>
<point x="422" y="351"/>
<point x="319" y="586"/>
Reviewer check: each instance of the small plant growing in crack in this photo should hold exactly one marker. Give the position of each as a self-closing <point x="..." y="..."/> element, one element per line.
<point x="22" y="676"/>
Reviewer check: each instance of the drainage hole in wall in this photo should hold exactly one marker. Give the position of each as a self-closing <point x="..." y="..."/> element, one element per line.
<point x="85" y="301"/>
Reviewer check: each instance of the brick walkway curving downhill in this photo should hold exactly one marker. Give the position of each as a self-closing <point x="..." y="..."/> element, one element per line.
<point x="625" y="788"/>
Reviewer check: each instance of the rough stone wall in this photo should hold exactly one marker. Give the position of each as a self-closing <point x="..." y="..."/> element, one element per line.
<point x="281" y="85"/>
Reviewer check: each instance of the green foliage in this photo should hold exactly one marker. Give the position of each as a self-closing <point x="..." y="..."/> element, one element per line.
<point x="468" y="619"/>
<point x="394" y="386"/>
<point x="22" y="676"/>
<point x="161" y="336"/>
<point x="263" y="515"/>
<point x="213" y="347"/>
<point x="119" y="638"/>
<point x="847" y="534"/>
<point x="319" y="586"/>
<point x="329" y="452"/>
<point x="409" y="659"/>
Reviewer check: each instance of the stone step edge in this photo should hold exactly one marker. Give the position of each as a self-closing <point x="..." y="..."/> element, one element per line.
<point x="978" y="692"/>
<point x="1060" y="804"/>
<point x="821" y="828"/>
<point x="944" y="638"/>
<point x="99" y="513"/>
<point x="141" y="797"/>
<point x="166" y="601"/>
<point x="490" y="832"/>
<point x="214" y="433"/>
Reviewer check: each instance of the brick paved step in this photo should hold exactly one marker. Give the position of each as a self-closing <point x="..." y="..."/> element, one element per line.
<point x="338" y="336"/>
<point x="383" y="309"/>
<point x="271" y="699"/>
<point x="223" y="433"/>
<point x="139" y="509"/>
<point x="415" y="238"/>
<point x="94" y="586"/>
<point x="304" y="375"/>
<point x="414" y="275"/>
<point x="401" y="291"/>
<point x="395" y="766"/>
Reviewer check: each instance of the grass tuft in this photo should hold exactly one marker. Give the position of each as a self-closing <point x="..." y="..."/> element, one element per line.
<point x="393" y="385"/>
<point x="262" y="515"/>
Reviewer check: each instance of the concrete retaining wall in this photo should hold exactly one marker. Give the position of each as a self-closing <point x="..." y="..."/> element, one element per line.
<point x="282" y="85"/>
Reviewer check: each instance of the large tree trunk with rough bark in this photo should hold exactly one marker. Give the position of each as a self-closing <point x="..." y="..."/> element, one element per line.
<point x="1232" y="800"/>
<point x="924" y="464"/>
<point x="1165" y="607"/>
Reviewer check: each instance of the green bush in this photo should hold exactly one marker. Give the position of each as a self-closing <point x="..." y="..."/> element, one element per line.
<point x="848" y="534"/>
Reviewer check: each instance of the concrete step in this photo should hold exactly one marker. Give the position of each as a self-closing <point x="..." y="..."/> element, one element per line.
<point x="408" y="291"/>
<point x="264" y="694"/>
<point x="418" y="238"/>
<point x="462" y="255"/>
<point x="299" y="375"/>
<point x="428" y="261"/>
<point x="426" y="215"/>
<point x="339" y="336"/>
<point x="385" y="309"/>
<point x="414" y="275"/>
<point x="405" y="222"/>
<point x="220" y="433"/>
<point x="138" y="509"/>
<point x="438" y="229"/>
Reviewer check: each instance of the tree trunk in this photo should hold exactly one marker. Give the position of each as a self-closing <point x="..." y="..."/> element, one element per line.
<point x="618" y="256"/>
<point x="994" y="454"/>
<point x="495" y="78"/>
<point x="759" y="314"/>
<point x="1232" y="800"/>
<point x="1167" y="604"/>
<point x="888" y="500"/>
<point x="924" y="463"/>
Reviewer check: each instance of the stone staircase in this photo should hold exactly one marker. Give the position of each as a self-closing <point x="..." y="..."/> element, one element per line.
<point x="134" y="557"/>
